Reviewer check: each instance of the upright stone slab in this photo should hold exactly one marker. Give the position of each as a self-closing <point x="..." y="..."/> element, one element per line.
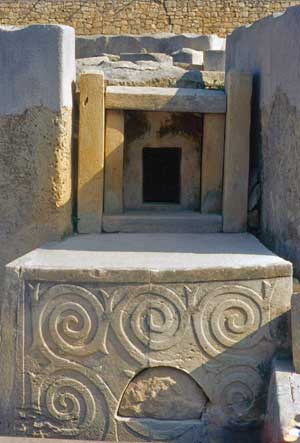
<point x="212" y="163"/>
<point x="237" y="151"/>
<point x="143" y="337"/>
<point x="295" y="315"/>
<point x="283" y="408"/>
<point x="91" y="152"/>
<point x="114" y="154"/>
<point x="37" y="72"/>
<point x="269" y="49"/>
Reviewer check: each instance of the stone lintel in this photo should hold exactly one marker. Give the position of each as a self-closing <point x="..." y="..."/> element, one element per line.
<point x="165" y="99"/>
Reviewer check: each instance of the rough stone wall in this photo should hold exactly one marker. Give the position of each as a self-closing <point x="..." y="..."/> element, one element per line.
<point x="140" y="16"/>
<point x="271" y="50"/>
<point x="36" y="75"/>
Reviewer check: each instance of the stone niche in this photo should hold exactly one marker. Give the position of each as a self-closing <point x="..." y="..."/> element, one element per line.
<point x="162" y="161"/>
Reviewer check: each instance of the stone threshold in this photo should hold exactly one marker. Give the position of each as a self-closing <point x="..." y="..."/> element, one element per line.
<point x="163" y="222"/>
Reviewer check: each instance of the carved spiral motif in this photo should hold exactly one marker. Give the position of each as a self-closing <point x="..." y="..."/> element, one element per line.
<point x="230" y="316"/>
<point x="69" y="403"/>
<point x="72" y="321"/>
<point x="149" y="318"/>
<point x="238" y="392"/>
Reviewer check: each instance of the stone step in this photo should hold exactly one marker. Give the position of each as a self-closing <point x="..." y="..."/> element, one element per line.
<point x="164" y="222"/>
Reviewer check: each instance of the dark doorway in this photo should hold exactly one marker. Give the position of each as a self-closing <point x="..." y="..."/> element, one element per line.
<point x="161" y="175"/>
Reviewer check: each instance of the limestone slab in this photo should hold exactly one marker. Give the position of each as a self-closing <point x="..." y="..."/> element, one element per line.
<point x="91" y="153"/>
<point x="282" y="418"/>
<point x="93" y="46"/>
<point x="269" y="49"/>
<point x="117" y="73"/>
<point x="37" y="75"/>
<point x="168" y="222"/>
<point x="214" y="60"/>
<point x="198" y="257"/>
<point x="295" y="317"/>
<point x="141" y="56"/>
<point x="212" y="163"/>
<point x="134" y="360"/>
<point x="165" y="99"/>
<point x="188" y="56"/>
<point x="237" y="151"/>
<point x="114" y="154"/>
<point x="37" y="59"/>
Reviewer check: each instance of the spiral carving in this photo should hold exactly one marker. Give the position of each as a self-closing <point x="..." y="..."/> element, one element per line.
<point x="150" y="318"/>
<point x="228" y="317"/>
<point x="72" y="321"/>
<point x="69" y="404"/>
<point x="238" y="392"/>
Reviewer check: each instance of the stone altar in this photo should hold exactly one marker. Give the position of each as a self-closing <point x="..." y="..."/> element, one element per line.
<point x="130" y="337"/>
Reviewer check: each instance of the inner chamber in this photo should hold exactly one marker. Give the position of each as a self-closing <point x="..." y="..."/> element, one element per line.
<point x="162" y="161"/>
<point x="161" y="175"/>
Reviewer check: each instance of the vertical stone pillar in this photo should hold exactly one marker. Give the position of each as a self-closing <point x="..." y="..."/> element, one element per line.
<point x="91" y="153"/>
<point x="114" y="153"/>
<point x="212" y="163"/>
<point x="295" y="323"/>
<point x="237" y="148"/>
<point x="37" y="72"/>
<point x="37" y="75"/>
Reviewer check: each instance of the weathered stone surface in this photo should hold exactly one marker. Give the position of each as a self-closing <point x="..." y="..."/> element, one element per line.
<point x="269" y="49"/>
<point x="150" y="74"/>
<point x="214" y="60"/>
<point x="282" y="418"/>
<point x="99" y="309"/>
<point x="37" y="68"/>
<point x="295" y="315"/>
<point x="114" y="155"/>
<point x="237" y="151"/>
<point x="91" y="153"/>
<point x="160" y="220"/>
<point x="37" y="72"/>
<point x="212" y="163"/>
<point x="200" y="257"/>
<point x="146" y="56"/>
<point x="163" y="393"/>
<point x="188" y="56"/>
<point x="93" y="46"/>
<point x="165" y="99"/>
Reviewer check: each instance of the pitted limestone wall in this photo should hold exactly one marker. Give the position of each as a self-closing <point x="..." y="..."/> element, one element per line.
<point x="135" y="17"/>
<point x="271" y="50"/>
<point x="36" y="76"/>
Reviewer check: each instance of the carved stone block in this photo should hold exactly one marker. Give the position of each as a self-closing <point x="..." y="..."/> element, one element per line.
<point x="112" y="354"/>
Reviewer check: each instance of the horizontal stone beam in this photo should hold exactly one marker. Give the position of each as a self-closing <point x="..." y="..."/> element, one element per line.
<point x="165" y="99"/>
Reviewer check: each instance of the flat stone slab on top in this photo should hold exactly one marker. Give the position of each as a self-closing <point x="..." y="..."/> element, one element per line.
<point x="159" y="257"/>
